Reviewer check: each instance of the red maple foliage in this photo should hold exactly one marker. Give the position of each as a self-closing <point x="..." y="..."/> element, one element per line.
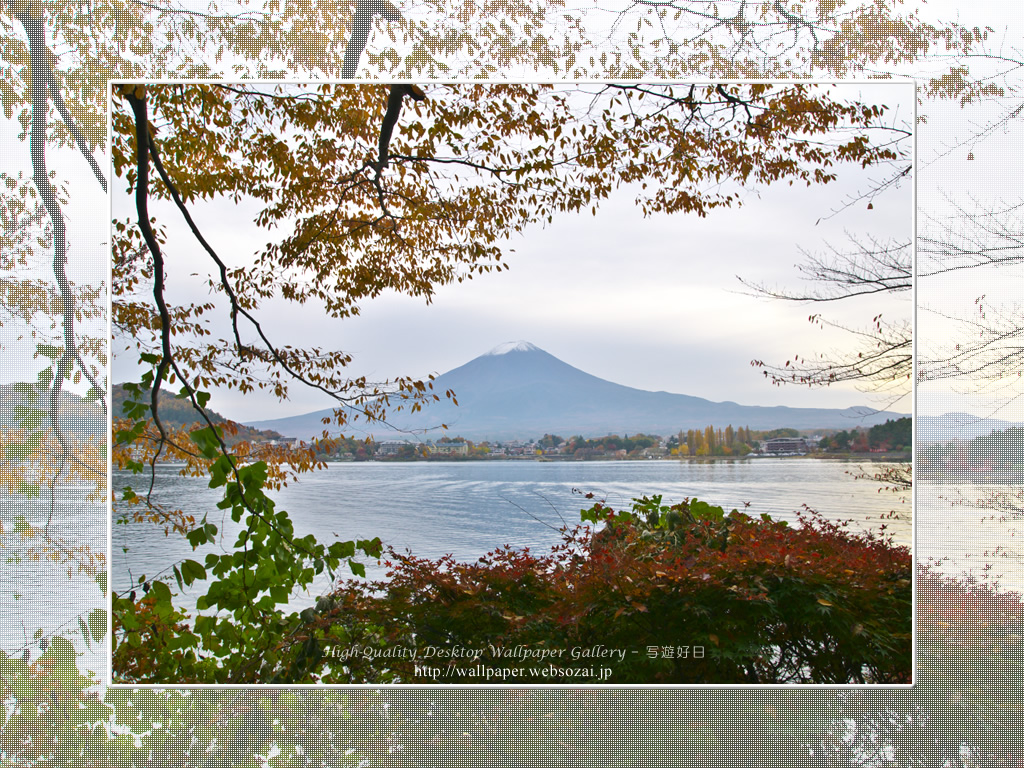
<point x="680" y="594"/>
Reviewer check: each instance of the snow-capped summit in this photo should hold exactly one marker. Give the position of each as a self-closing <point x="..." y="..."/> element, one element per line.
<point x="514" y="346"/>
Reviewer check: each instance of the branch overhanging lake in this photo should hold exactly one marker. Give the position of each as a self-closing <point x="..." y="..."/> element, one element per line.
<point x="466" y="172"/>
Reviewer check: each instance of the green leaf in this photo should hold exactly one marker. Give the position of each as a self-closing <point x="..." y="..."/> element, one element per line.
<point x="49" y="350"/>
<point x="342" y="549"/>
<point x="63" y="650"/>
<point x="98" y="623"/>
<point x="162" y="595"/>
<point x="372" y="547"/>
<point x="209" y="446"/>
<point x="192" y="571"/>
<point x="94" y="394"/>
<point x="701" y="510"/>
<point x="130" y="435"/>
<point x="197" y="536"/>
<point x="253" y="476"/>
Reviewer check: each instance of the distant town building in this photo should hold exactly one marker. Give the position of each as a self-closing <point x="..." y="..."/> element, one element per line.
<point x="785" y="445"/>
<point x="390" y="447"/>
<point x="457" y="448"/>
<point x="290" y="442"/>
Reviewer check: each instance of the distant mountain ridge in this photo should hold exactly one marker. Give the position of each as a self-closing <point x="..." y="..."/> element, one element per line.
<point x="957" y="426"/>
<point x="519" y="391"/>
<point x="176" y="413"/>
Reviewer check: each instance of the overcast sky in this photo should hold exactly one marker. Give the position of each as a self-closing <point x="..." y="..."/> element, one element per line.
<point x="650" y="303"/>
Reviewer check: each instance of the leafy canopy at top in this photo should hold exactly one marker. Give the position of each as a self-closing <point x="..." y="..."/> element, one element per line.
<point x="467" y="168"/>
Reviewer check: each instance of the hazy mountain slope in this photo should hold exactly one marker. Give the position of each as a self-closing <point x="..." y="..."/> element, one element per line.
<point x="177" y="413"/>
<point x="957" y="426"/>
<point x="83" y="418"/>
<point x="519" y="391"/>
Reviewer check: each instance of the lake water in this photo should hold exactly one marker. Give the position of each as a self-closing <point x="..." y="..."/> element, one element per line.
<point x="39" y="592"/>
<point x="469" y="508"/>
<point x="960" y="534"/>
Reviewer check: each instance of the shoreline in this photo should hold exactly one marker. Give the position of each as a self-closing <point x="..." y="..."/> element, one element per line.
<point x="887" y="458"/>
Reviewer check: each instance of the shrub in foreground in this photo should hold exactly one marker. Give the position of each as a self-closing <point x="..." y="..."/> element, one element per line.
<point x="662" y="594"/>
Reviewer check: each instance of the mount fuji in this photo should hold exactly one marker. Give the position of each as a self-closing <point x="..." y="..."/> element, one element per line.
<point x="519" y="391"/>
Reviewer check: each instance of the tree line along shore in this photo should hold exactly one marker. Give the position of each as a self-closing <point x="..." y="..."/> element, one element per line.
<point x="888" y="441"/>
